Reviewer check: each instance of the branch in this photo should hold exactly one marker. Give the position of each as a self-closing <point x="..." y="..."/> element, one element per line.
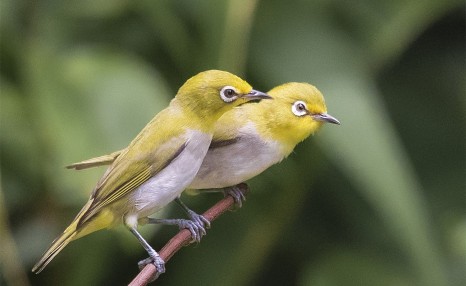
<point x="183" y="238"/>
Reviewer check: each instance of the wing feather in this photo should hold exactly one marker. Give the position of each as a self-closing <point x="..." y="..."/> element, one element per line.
<point x="222" y="143"/>
<point x="147" y="155"/>
<point x="95" y="162"/>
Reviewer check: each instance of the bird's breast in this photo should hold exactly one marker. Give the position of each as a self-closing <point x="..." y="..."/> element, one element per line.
<point x="170" y="182"/>
<point x="234" y="163"/>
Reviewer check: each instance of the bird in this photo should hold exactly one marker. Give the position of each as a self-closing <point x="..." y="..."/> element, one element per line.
<point x="159" y="163"/>
<point x="252" y="137"/>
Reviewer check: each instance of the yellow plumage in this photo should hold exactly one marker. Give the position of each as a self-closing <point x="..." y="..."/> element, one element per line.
<point x="252" y="137"/>
<point x="176" y="139"/>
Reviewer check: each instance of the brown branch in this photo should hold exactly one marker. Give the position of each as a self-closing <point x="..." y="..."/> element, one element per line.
<point x="183" y="238"/>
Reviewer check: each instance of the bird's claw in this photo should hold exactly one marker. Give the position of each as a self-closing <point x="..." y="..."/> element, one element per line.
<point x="237" y="194"/>
<point x="199" y="219"/>
<point x="144" y="262"/>
<point x="158" y="263"/>
<point x="197" y="226"/>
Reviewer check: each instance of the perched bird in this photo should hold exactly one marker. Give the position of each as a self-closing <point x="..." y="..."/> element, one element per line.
<point x="252" y="137"/>
<point x="159" y="163"/>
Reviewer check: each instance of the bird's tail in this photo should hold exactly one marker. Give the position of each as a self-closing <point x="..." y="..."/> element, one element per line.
<point x="74" y="231"/>
<point x="57" y="245"/>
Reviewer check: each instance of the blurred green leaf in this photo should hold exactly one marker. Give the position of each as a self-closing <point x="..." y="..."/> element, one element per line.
<point x="18" y="143"/>
<point x="366" y="145"/>
<point x="89" y="95"/>
<point x="347" y="267"/>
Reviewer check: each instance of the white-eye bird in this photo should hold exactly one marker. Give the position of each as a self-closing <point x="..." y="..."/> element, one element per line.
<point x="252" y="137"/>
<point x="159" y="163"/>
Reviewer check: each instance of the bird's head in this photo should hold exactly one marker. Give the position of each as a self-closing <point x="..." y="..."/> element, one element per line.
<point x="296" y="111"/>
<point x="211" y="93"/>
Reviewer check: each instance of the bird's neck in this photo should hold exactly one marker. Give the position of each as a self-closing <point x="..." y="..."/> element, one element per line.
<point x="198" y="118"/>
<point x="272" y="125"/>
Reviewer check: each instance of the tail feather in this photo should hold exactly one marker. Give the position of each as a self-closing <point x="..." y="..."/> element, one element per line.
<point x="74" y="231"/>
<point x="57" y="245"/>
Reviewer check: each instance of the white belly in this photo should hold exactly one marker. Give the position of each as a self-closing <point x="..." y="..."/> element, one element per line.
<point x="170" y="182"/>
<point x="232" y="164"/>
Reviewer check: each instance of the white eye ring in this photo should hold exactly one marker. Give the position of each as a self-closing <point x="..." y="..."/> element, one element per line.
<point x="228" y="94"/>
<point x="299" y="108"/>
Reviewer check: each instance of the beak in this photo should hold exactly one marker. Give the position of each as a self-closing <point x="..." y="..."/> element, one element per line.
<point x="325" y="118"/>
<point x="255" y="94"/>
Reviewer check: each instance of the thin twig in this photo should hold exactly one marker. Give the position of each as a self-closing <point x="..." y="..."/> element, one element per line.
<point x="183" y="238"/>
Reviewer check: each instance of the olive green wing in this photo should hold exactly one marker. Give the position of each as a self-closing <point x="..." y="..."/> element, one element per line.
<point x="134" y="166"/>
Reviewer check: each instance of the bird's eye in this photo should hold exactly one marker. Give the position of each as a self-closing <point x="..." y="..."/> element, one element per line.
<point x="299" y="108"/>
<point x="228" y="94"/>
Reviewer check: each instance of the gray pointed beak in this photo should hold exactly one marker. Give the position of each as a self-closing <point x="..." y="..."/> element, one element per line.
<point x="255" y="94"/>
<point x="324" y="117"/>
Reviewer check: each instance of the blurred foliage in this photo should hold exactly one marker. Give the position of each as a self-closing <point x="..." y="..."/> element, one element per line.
<point x="379" y="200"/>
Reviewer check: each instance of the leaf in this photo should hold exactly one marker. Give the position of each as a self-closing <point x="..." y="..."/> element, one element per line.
<point x="348" y="267"/>
<point x="90" y="101"/>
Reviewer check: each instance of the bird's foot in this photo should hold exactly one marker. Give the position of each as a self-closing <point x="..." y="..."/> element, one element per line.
<point x="197" y="225"/>
<point x="158" y="263"/>
<point x="144" y="262"/>
<point x="237" y="192"/>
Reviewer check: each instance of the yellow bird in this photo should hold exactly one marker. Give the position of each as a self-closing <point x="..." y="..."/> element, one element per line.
<point x="252" y="137"/>
<point x="159" y="163"/>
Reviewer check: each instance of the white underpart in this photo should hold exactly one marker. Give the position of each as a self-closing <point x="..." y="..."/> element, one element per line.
<point x="230" y="165"/>
<point x="170" y="182"/>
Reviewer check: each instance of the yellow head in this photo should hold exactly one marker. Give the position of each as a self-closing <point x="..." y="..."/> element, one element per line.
<point x="211" y="93"/>
<point x="296" y="111"/>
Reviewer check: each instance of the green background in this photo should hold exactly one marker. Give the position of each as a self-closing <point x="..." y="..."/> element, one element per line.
<point x="379" y="200"/>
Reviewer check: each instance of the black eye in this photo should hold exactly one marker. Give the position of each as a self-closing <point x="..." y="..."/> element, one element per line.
<point x="229" y="93"/>
<point x="300" y="107"/>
